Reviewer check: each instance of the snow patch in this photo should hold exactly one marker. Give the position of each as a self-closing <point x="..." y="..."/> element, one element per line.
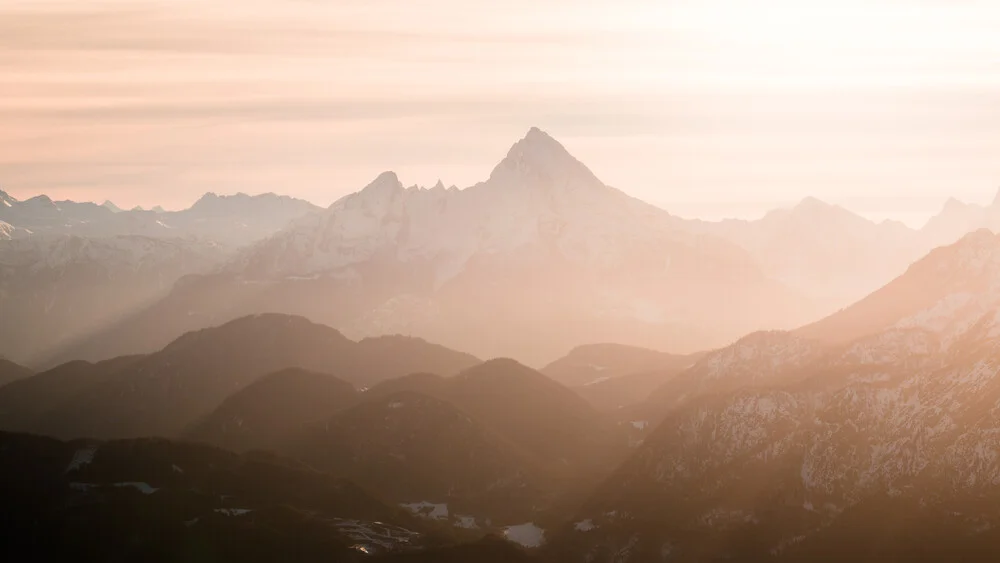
<point x="585" y="525"/>
<point x="143" y="488"/>
<point x="467" y="522"/>
<point x="640" y="424"/>
<point x="81" y="457"/>
<point x="526" y="535"/>
<point x="427" y="509"/>
<point x="233" y="511"/>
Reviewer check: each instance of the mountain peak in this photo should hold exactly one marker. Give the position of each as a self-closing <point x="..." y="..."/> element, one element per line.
<point x="539" y="144"/>
<point x="6" y="200"/>
<point x="111" y="206"/>
<point x="540" y="158"/>
<point x="386" y="182"/>
<point x="41" y="201"/>
<point x="952" y="204"/>
<point x="814" y="204"/>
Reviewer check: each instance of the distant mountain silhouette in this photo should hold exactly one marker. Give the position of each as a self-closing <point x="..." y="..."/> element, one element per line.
<point x="824" y="251"/>
<point x="956" y="219"/>
<point x="26" y="403"/>
<point x="499" y="441"/>
<point x="539" y="415"/>
<point x="271" y="408"/>
<point x="55" y="289"/>
<point x="230" y="220"/>
<point x="950" y="285"/>
<point x="163" y="393"/>
<point x="9" y="371"/>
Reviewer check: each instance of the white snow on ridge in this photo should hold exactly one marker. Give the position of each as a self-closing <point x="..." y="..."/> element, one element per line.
<point x="539" y="196"/>
<point x="82" y="457"/>
<point x="526" y="535"/>
<point x="585" y="525"/>
<point x="127" y="251"/>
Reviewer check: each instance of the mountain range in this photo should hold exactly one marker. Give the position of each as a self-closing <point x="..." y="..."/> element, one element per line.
<point x="781" y="445"/>
<point x="229" y="220"/>
<point x="464" y="267"/>
<point x="538" y="258"/>
<point x="255" y="379"/>
<point x="837" y="441"/>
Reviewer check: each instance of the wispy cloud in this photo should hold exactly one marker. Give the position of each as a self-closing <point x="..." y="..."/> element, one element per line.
<point x="666" y="100"/>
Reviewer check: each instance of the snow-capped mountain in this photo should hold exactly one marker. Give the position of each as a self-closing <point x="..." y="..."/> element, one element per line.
<point x="785" y="452"/>
<point x="234" y="220"/>
<point x="8" y="231"/>
<point x="238" y="219"/>
<point x="541" y="237"/>
<point x="42" y="215"/>
<point x="536" y="259"/>
<point x="55" y="288"/>
<point x="539" y="198"/>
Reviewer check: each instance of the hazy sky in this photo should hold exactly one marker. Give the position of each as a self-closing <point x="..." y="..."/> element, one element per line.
<point x="886" y="106"/>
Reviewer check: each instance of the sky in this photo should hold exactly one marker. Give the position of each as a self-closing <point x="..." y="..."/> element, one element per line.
<point x="705" y="107"/>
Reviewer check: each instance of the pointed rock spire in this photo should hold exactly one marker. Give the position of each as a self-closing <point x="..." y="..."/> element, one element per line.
<point x="542" y="159"/>
<point x="386" y="181"/>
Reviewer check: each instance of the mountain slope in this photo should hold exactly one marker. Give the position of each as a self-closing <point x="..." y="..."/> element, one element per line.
<point x="163" y="393"/>
<point x="951" y="285"/>
<point x="9" y="372"/>
<point x="237" y="220"/>
<point x="789" y="462"/>
<point x="590" y="364"/>
<point x="539" y="415"/>
<point x="25" y="403"/>
<point x="824" y="251"/>
<point x="154" y="500"/>
<point x="956" y="219"/>
<point x="499" y="441"/>
<point x="499" y="269"/>
<point x="271" y="408"/>
<point x="56" y="289"/>
<point x="422" y="451"/>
